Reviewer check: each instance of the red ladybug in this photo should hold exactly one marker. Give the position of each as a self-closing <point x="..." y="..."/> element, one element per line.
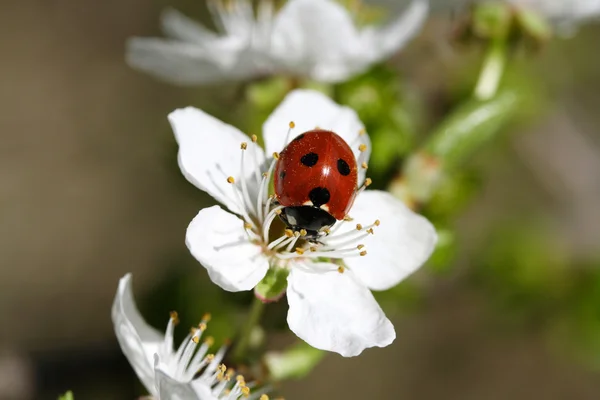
<point x="316" y="181"/>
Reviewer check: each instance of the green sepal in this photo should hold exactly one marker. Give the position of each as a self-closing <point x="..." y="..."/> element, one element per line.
<point x="273" y="285"/>
<point x="293" y="363"/>
<point x="492" y="20"/>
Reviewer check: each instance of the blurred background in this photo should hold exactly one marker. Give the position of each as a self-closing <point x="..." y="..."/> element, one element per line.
<point x="90" y="190"/>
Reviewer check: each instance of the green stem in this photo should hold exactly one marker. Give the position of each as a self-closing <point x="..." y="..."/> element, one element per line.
<point x="491" y="71"/>
<point x="256" y="311"/>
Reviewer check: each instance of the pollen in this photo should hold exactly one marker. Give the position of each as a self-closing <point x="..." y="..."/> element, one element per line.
<point x="276" y="155"/>
<point x="202" y="326"/>
<point x="244" y="146"/>
<point x="377" y="222"/>
<point x="360" y="246"/>
<point x="364" y="165"/>
<point x="363" y="253"/>
<point x="222" y="368"/>
<point x="241" y="380"/>
<point x="341" y="269"/>
<point x="368" y="182"/>
<point x="296" y="234"/>
<point x="292" y="125"/>
<point x="209" y="357"/>
<point x="174" y="317"/>
<point x="195" y="339"/>
<point x="278" y="212"/>
<point x="231" y="179"/>
<point x="359" y="227"/>
<point x="299" y="250"/>
<point x="362" y="147"/>
<point x="370" y="230"/>
<point x="254" y="138"/>
<point x="289" y="233"/>
<point x="206" y="317"/>
<point x="246" y="391"/>
<point x="303" y="232"/>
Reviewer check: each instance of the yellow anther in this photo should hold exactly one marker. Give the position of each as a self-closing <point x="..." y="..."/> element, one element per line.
<point x="174" y="317"/>
<point x="289" y="233"/>
<point x="370" y="230"/>
<point x="341" y="269"/>
<point x="254" y="138"/>
<point x="264" y="174"/>
<point x="364" y="165"/>
<point x="317" y="127"/>
<point x="313" y="248"/>
<point x="246" y="391"/>
<point x="230" y="373"/>
<point x="244" y="146"/>
<point x="247" y="225"/>
<point x="377" y="222"/>
<point x="278" y="212"/>
<point x="222" y="367"/>
<point x="202" y="326"/>
<point x="226" y="392"/>
<point x="327" y="231"/>
<point x="297" y="234"/>
<point x="195" y="339"/>
<point x="209" y="341"/>
<point x="276" y="155"/>
<point x="206" y="317"/>
<point x="362" y="131"/>
<point x="359" y="227"/>
<point x="363" y="253"/>
<point x="362" y="147"/>
<point x="241" y="380"/>
<point x="231" y="179"/>
<point x="348" y="218"/>
<point x="303" y="232"/>
<point x="193" y="330"/>
<point x="299" y="250"/>
<point x="209" y="357"/>
<point x="360" y="246"/>
<point x="263" y="397"/>
<point x="368" y="182"/>
<point x="292" y="125"/>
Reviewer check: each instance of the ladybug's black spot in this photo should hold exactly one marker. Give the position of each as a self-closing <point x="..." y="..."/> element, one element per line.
<point x="343" y="167"/>
<point x="299" y="137"/>
<point x="319" y="196"/>
<point x="309" y="159"/>
<point x="282" y="174"/>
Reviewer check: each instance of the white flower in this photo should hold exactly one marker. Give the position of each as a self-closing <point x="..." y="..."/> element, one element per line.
<point x="562" y="11"/>
<point x="308" y="38"/>
<point x="331" y="306"/>
<point x="166" y="373"/>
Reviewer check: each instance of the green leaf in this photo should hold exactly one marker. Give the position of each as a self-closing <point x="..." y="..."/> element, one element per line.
<point x="67" y="396"/>
<point x="294" y="363"/>
<point x="471" y="126"/>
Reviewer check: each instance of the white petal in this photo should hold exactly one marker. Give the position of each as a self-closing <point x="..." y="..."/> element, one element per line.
<point x="183" y="63"/>
<point x="316" y="38"/>
<point x="383" y="42"/>
<point x="171" y="389"/>
<point x="178" y="26"/>
<point x="139" y="341"/>
<point x="401" y="243"/>
<point x="333" y="311"/>
<point x="309" y="109"/>
<point x="218" y="240"/>
<point x="209" y="152"/>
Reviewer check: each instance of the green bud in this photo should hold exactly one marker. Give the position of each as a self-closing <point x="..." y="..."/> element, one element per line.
<point x="294" y="363"/>
<point x="273" y="285"/>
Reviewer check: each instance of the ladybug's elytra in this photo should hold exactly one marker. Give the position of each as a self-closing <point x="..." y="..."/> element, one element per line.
<point x="316" y="181"/>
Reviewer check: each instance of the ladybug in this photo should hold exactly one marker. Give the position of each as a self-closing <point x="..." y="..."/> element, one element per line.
<point x="315" y="181"/>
